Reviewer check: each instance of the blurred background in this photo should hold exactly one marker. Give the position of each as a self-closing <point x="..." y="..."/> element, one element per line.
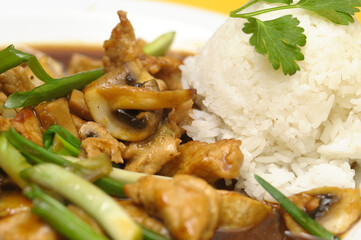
<point x="221" y="6"/>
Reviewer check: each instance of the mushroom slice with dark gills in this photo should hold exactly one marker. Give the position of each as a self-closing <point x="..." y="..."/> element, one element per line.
<point x="334" y="208"/>
<point x="131" y="113"/>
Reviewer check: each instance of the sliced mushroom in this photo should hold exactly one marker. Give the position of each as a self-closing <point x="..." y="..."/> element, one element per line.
<point x="129" y="97"/>
<point x="334" y="208"/>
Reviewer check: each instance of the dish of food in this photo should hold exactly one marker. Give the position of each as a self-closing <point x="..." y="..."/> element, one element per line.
<point x="139" y="141"/>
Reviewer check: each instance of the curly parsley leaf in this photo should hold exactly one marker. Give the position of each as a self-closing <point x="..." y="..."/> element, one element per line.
<point x="279" y="39"/>
<point x="337" y="11"/>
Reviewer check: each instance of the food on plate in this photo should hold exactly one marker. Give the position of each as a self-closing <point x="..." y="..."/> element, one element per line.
<point x="119" y="149"/>
<point x="298" y="131"/>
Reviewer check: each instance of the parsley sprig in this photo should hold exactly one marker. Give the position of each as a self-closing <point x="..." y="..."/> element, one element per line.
<point x="281" y="38"/>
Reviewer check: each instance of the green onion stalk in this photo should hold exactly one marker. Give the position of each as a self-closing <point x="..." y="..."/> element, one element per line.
<point x="47" y="208"/>
<point x="53" y="88"/>
<point x="300" y="216"/>
<point x="110" y="215"/>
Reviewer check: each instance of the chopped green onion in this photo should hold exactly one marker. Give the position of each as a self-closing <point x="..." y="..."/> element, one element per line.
<point x="11" y="57"/>
<point x="59" y="217"/>
<point x="110" y="215"/>
<point x="300" y="216"/>
<point x="61" y="146"/>
<point x="50" y="133"/>
<point x="160" y="45"/>
<point x="54" y="89"/>
<point x="11" y="161"/>
<point x="40" y="155"/>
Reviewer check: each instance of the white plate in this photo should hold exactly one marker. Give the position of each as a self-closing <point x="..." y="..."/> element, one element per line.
<point x="91" y="21"/>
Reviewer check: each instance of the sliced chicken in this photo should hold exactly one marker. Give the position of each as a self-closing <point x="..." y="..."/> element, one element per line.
<point x="25" y="226"/>
<point x="210" y="161"/>
<point x="13" y="202"/>
<point x="150" y="155"/>
<point x="142" y="217"/>
<point x="188" y="206"/>
<point x="28" y="125"/>
<point x="238" y="211"/>
<point x="56" y="112"/>
<point x="96" y="140"/>
<point x="4" y="123"/>
<point x="121" y="47"/>
<point x="80" y="63"/>
<point x="15" y="80"/>
<point x="77" y="105"/>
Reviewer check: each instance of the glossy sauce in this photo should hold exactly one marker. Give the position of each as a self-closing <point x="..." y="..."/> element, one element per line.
<point x="272" y="228"/>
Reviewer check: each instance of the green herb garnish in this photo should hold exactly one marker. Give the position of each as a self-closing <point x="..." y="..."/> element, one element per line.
<point x="61" y="141"/>
<point x="281" y="38"/>
<point x="298" y="215"/>
<point x="53" y="88"/>
<point x="160" y="45"/>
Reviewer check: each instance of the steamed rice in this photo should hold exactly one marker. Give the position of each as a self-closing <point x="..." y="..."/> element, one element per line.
<point x="299" y="132"/>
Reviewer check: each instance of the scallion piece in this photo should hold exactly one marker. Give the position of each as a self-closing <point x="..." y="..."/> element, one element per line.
<point x="300" y="216"/>
<point x="61" y="141"/>
<point x="53" y="88"/>
<point x="110" y="215"/>
<point x="160" y="45"/>
<point x="59" y="217"/>
<point x="40" y="155"/>
<point x="11" y="161"/>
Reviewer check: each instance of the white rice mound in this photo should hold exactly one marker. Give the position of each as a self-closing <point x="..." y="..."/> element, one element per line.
<point x="299" y="132"/>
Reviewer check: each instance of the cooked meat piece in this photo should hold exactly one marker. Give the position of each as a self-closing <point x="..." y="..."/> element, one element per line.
<point x="142" y="217"/>
<point x="210" y="161"/>
<point x="3" y="98"/>
<point x="165" y="68"/>
<point x="188" y="206"/>
<point x="179" y="117"/>
<point x="97" y="140"/>
<point x="80" y="63"/>
<point x="28" y="125"/>
<point x="150" y="155"/>
<point x="56" y="112"/>
<point x="78" y="122"/>
<point x="25" y="226"/>
<point x="238" y="211"/>
<point x="334" y="208"/>
<point x="77" y="105"/>
<point x="95" y="146"/>
<point x="4" y="123"/>
<point x="15" y="80"/>
<point x="13" y="202"/>
<point x="121" y="47"/>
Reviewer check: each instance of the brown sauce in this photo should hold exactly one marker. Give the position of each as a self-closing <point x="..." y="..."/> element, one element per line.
<point x="272" y="228"/>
